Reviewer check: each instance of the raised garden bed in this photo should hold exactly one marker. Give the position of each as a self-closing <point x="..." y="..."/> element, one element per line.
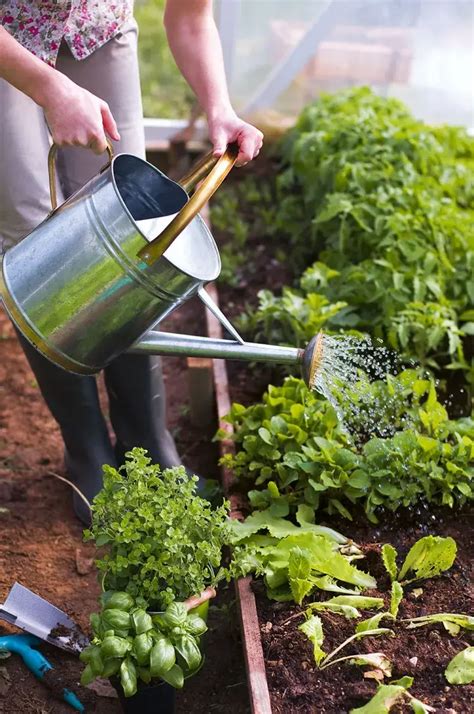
<point x="293" y="681"/>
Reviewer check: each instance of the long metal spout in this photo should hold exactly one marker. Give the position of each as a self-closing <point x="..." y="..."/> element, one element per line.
<point x="170" y="343"/>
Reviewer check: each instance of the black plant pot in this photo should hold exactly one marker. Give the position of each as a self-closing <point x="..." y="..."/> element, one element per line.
<point x="152" y="698"/>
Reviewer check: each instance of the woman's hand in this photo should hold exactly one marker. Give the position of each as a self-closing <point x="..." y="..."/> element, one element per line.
<point x="228" y="128"/>
<point x="75" y="116"/>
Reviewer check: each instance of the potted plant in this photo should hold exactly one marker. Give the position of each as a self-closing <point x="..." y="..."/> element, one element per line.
<point x="163" y="557"/>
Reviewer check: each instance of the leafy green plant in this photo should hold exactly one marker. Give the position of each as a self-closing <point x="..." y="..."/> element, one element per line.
<point x="452" y="622"/>
<point x="133" y="644"/>
<point x="385" y="204"/>
<point x="292" y="450"/>
<point x="461" y="668"/>
<point x="428" y="557"/>
<point x="240" y="211"/>
<point x="294" y="566"/>
<point x="164" y="542"/>
<point x="388" y="695"/>
<point x="313" y="629"/>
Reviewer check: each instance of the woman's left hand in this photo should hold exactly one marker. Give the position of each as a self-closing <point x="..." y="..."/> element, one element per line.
<point x="228" y="128"/>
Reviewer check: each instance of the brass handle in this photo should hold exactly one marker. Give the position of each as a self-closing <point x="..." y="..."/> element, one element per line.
<point x="219" y="168"/>
<point x="52" y="171"/>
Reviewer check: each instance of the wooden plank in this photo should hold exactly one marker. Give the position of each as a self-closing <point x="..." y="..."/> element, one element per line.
<point x="253" y="653"/>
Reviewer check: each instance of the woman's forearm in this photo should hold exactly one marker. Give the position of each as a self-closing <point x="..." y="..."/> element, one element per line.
<point x="22" y="69"/>
<point x="195" y="44"/>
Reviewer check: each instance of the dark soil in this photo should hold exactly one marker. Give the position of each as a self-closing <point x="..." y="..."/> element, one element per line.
<point x="41" y="539"/>
<point x="296" y="685"/>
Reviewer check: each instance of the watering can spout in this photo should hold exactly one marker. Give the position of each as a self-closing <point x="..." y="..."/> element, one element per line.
<point x="169" y="343"/>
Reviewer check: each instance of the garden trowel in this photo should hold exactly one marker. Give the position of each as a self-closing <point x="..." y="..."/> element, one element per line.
<point x="33" y="614"/>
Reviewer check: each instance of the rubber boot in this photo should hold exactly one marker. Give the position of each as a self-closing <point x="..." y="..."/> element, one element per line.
<point x="137" y="404"/>
<point x="74" y="403"/>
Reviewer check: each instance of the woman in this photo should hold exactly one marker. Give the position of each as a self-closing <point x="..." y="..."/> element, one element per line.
<point x="69" y="71"/>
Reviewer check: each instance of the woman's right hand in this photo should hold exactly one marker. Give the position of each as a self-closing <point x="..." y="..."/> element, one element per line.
<point x="75" y="116"/>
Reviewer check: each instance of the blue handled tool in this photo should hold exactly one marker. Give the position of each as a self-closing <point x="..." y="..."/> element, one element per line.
<point x="24" y="646"/>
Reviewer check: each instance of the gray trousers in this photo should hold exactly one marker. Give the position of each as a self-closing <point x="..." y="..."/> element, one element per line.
<point x="134" y="382"/>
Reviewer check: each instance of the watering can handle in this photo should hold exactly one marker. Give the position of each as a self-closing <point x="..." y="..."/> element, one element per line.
<point x="52" y="171"/>
<point x="217" y="170"/>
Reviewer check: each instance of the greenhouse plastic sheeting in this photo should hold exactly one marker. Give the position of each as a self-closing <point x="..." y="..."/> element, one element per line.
<point x="281" y="54"/>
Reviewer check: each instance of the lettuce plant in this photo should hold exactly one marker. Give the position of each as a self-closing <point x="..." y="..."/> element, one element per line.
<point x="292" y="450"/>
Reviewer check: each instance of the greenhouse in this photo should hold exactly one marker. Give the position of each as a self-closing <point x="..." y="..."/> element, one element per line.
<point x="236" y="356"/>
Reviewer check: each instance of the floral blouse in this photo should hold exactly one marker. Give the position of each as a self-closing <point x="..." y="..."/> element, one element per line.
<point x="85" y="25"/>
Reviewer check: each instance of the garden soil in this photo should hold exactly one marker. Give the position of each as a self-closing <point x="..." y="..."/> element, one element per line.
<point x="41" y="539"/>
<point x="297" y="686"/>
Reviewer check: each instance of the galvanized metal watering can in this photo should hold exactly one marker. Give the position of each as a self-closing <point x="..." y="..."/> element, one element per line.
<point x="92" y="280"/>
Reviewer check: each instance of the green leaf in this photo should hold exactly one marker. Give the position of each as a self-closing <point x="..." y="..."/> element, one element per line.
<point x="419" y="707"/>
<point x="114" y="647"/>
<point x="461" y="668"/>
<point x="384" y="699"/>
<point x="117" y="600"/>
<point x="111" y="667"/>
<point x="429" y="556"/>
<point x="142" y="645"/>
<point x="395" y="598"/>
<point x="142" y="621"/>
<point x="313" y="629"/>
<point x="452" y="622"/>
<point x="128" y="677"/>
<point x="361" y="602"/>
<point x="162" y="657"/>
<point x="188" y="648"/>
<point x="87" y="675"/>
<point x="373" y="622"/>
<point x="174" y="676"/>
<point x="299" y="572"/>
<point x="346" y="610"/>
<point x="175" y="614"/>
<point x="196" y="624"/>
<point x="389" y="558"/>
<point x="406" y="682"/>
<point x="116" y="619"/>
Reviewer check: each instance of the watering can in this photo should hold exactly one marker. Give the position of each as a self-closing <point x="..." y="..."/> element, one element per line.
<point x="105" y="267"/>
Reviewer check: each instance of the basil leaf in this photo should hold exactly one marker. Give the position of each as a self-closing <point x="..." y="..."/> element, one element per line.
<point x="174" y="676"/>
<point x="189" y="650"/>
<point x="128" y="677"/>
<point x="162" y="657"/>
<point x="142" y="645"/>
<point x="142" y="621"/>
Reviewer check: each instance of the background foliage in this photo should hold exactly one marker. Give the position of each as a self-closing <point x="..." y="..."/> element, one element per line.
<point x="165" y="92"/>
<point x="385" y="204"/>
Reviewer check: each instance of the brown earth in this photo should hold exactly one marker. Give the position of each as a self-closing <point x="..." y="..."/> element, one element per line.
<point x="296" y="685"/>
<point x="41" y="539"/>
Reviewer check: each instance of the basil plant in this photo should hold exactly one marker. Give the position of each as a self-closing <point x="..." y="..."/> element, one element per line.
<point x="132" y="644"/>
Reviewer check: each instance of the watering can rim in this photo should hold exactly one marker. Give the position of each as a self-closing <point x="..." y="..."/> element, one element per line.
<point x="212" y="243"/>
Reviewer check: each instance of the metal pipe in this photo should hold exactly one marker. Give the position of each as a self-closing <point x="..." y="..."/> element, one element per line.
<point x="169" y="343"/>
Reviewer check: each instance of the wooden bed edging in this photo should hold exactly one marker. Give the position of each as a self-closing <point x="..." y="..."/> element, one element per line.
<point x="259" y="695"/>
